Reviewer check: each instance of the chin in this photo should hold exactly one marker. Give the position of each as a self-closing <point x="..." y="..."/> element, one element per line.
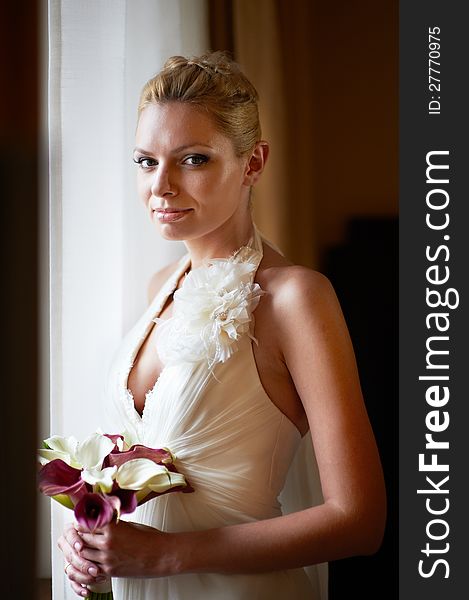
<point x="171" y="232"/>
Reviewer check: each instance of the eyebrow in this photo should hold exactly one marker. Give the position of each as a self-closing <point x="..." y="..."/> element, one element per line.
<point x="176" y="150"/>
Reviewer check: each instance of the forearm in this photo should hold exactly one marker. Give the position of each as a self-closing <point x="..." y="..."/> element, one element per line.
<point x="316" y="535"/>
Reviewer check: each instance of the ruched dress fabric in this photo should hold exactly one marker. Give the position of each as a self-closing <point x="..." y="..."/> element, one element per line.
<point x="231" y="442"/>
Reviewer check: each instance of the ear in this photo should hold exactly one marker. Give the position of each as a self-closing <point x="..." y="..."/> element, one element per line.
<point x="256" y="163"/>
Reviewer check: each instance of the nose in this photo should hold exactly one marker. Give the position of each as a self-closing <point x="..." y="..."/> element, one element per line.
<point x="163" y="183"/>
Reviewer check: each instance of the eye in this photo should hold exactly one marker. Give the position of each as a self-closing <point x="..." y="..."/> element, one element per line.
<point x="145" y="163"/>
<point x="196" y="160"/>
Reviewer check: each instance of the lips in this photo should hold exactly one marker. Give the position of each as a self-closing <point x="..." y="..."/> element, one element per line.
<point x="168" y="215"/>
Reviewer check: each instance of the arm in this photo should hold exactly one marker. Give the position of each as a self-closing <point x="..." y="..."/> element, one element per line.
<point x="319" y="355"/>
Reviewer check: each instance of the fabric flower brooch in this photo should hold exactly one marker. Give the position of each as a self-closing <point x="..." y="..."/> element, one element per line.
<point x="212" y="311"/>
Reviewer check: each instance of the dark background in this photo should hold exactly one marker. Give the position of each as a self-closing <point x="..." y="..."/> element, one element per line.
<point x="19" y="164"/>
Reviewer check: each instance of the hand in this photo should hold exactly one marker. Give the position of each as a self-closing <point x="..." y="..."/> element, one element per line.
<point x="81" y="572"/>
<point x="127" y="550"/>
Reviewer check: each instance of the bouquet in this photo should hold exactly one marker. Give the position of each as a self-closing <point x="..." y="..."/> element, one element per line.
<point x="104" y="477"/>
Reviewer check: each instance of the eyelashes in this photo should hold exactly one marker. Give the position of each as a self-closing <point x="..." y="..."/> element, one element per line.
<point x="196" y="160"/>
<point x="143" y="161"/>
<point x="193" y="160"/>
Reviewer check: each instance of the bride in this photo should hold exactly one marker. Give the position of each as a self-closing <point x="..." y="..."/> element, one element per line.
<point x="231" y="396"/>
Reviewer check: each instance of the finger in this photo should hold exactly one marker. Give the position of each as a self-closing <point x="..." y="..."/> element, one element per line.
<point x="92" y="540"/>
<point x="72" y="537"/>
<point x="80" y="584"/>
<point x="67" y="551"/>
<point x="83" y="530"/>
<point x="86" y="567"/>
<point x="95" y="556"/>
<point x="74" y="559"/>
<point x="81" y="591"/>
<point x="79" y="578"/>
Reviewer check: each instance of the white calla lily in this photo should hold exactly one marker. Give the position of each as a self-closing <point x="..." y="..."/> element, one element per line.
<point x="162" y="484"/>
<point x="100" y="479"/>
<point x="46" y="456"/>
<point x="88" y="454"/>
<point x="60" y="447"/>
<point x="63" y="444"/>
<point x="142" y="473"/>
<point x="91" y="452"/>
<point x="136" y="474"/>
<point x="130" y="439"/>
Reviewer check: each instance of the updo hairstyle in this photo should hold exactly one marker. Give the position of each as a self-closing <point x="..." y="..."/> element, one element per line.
<point x="216" y="84"/>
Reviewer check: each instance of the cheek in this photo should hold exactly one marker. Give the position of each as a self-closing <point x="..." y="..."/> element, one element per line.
<point x="143" y="187"/>
<point x="233" y="173"/>
<point x="227" y="180"/>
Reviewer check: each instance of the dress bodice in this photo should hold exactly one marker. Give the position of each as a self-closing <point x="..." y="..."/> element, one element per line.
<point x="210" y="409"/>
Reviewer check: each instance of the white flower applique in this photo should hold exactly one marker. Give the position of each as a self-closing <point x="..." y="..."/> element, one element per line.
<point x="212" y="311"/>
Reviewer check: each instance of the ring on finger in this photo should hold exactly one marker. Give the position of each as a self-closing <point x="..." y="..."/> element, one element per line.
<point x="66" y="567"/>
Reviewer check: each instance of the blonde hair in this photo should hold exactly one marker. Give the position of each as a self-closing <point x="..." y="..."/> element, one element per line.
<point x="216" y="84"/>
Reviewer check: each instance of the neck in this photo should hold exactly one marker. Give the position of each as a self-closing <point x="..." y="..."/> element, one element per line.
<point x="221" y="243"/>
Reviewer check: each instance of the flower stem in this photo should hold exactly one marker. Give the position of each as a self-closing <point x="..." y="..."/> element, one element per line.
<point x="100" y="596"/>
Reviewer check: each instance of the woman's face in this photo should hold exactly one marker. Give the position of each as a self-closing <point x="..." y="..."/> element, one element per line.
<point x="189" y="177"/>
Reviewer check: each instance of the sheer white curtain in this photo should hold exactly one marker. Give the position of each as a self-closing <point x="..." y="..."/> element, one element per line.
<point x="102" y="249"/>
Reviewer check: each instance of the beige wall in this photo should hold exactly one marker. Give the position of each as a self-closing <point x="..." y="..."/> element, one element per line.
<point x="327" y="75"/>
<point x="356" y="111"/>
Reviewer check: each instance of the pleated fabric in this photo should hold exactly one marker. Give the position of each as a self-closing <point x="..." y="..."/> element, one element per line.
<point x="234" y="446"/>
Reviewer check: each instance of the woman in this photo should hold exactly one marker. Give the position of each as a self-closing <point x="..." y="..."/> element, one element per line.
<point x="232" y="411"/>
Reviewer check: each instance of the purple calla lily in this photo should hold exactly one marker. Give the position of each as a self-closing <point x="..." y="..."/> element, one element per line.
<point x="118" y="440"/>
<point x="114" y="437"/>
<point x="95" y="510"/>
<point x="128" y="499"/>
<point x="57" y="478"/>
<point x="160" y="456"/>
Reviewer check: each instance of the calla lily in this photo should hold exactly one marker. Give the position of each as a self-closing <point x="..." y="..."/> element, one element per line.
<point x="64" y="500"/>
<point x="100" y="479"/>
<point x="94" y="510"/>
<point x="130" y="439"/>
<point x="135" y="474"/>
<point x="62" y="444"/>
<point x="160" y="486"/>
<point x="88" y="454"/>
<point x="92" y="451"/>
<point x="128" y="499"/>
<point x="60" y="447"/>
<point x="142" y="473"/>
<point x="158" y="456"/>
<point x="57" y="478"/>
<point x="46" y="455"/>
<point x="118" y="441"/>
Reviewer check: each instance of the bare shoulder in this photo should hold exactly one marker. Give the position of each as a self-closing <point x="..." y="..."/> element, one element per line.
<point x="159" y="278"/>
<point x="294" y="289"/>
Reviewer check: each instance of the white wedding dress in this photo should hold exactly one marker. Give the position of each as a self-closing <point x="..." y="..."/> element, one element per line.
<point x="231" y="442"/>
